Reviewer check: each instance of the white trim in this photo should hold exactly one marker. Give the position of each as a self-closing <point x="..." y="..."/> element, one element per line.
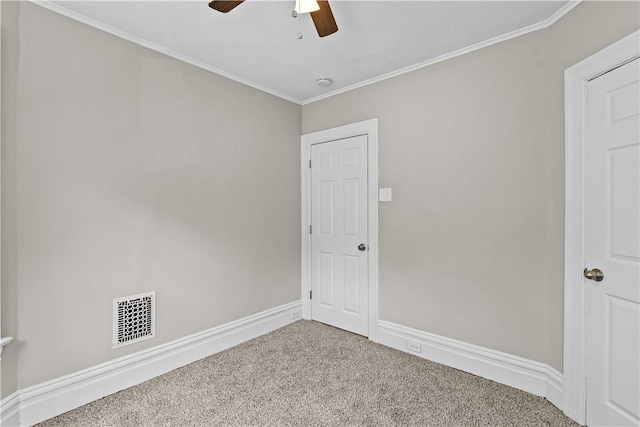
<point x="51" y="398"/>
<point x="10" y="410"/>
<point x="524" y="374"/>
<point x="4" y="341"/>
<point x="46" y="400"/>
<point x="369" y="128"/>
<point x="476" y="46"/>
<point x="576" y="78"/>
<point x="47" y="4"/>
<point x="54" y="7"/>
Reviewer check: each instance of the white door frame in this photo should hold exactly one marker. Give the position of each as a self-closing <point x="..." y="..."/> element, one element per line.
<point x="576" y="79"/>
<point x="369" y="128"/>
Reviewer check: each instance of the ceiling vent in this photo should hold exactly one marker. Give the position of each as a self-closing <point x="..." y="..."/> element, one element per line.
<point x="134" y="319"/>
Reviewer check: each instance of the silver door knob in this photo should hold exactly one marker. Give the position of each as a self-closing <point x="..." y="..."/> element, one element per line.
<point x="594" y="274"/>
<point x="362" y="247"/>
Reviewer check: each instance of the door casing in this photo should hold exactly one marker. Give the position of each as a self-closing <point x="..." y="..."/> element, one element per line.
<point x="369" y="128"/>
<point x="576" y="78"/>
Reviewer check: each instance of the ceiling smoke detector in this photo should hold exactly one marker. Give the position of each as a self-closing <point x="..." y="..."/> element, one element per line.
<point x="324" y="82"/>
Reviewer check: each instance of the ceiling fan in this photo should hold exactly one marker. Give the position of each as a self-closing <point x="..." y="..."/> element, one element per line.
<point x="322" y="17"/>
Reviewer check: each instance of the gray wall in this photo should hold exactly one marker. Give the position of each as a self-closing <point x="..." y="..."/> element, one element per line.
<point x="126" y="171"/>
<point x="9" y="288"/>
<point x="472" y="246"/>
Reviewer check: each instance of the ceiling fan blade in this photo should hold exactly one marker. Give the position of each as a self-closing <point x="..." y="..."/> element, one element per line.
<point x="323" y="19"/>
<point x="224" y="6"/>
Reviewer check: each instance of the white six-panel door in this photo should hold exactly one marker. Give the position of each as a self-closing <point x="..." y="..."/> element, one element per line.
<point x="339" y="243"/>
<point x="613" y="246"/>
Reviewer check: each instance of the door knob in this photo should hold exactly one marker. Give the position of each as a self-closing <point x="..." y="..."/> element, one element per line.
<point x="594" y="274"/>
<point x="362" y="247"/>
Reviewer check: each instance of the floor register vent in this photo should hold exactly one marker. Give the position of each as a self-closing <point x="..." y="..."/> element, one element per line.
<point x="134" y="319"/>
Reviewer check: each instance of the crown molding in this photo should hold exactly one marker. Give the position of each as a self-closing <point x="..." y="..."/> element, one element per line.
<point x="54" y="7"/>
<point x="47" y="4"/>
<point x="489" y="42"/>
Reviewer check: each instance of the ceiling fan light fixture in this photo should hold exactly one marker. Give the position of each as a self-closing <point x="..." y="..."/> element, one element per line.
<point x="306" y="6"/>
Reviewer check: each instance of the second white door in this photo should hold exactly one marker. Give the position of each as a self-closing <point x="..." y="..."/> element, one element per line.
<point x="339" y="241"/>
<point x="613" y="248"/>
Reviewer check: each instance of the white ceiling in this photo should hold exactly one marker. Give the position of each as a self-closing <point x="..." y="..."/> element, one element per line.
<point x="256" y="43"/>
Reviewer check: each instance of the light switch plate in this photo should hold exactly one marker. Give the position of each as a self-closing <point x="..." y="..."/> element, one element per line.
<point x="384" y="194"/>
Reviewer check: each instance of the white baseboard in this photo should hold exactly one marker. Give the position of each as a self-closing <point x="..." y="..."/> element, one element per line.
<point x="554" y="389"/>
<point x="43" y="401"/>
<point x="524" y="374"/>
<point x="10" y="410"/>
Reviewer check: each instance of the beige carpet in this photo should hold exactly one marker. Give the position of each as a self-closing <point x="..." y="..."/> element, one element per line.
<point x="309" y="374"/>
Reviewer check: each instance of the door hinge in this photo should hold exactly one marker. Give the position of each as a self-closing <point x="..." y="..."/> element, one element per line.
<point x="310" y="294"/>
<point x="309" y="163"/>
<point x="310" y="230"/>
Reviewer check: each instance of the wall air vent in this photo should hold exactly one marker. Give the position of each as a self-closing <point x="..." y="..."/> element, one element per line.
<point x="134" y="319"/>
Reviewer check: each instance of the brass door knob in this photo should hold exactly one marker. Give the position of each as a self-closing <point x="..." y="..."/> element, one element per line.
<point x="594" y="274"/>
